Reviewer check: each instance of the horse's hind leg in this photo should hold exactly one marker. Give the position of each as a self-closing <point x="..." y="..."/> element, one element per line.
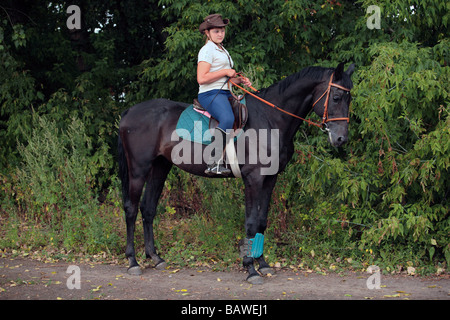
<point x="155" y="185"/>
<point x="131" y="211"/>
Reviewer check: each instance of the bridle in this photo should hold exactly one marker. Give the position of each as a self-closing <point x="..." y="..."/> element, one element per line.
<point x="325" y="118"/>
<point x="326" y="94"/>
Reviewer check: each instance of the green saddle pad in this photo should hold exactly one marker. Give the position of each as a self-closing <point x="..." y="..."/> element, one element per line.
<point x="194" y="126"/>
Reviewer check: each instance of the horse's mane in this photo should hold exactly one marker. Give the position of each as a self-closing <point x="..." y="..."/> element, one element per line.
<point x="312" y="73"/>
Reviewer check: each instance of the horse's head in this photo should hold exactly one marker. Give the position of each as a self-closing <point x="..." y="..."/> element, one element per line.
<point x="332" y="100"/>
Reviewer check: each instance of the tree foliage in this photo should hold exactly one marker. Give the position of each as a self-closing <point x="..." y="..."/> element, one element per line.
<point x="386" y="190"/>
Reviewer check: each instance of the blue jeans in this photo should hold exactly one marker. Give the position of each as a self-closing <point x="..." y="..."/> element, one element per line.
<point x="217" y="104"/>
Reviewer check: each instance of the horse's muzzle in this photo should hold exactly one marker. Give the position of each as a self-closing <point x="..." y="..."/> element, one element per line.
<point x="337" y="133"/>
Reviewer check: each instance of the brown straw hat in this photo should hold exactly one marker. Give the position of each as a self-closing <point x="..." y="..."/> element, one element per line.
<point x="213" y="21"/>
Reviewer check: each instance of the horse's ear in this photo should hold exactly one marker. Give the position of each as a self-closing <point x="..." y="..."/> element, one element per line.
<point x="350" y="70"/>
<point x="339" y="71"/>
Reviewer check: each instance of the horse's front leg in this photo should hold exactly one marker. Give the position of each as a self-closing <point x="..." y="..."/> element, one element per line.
<point x="258" y="191"/>
<point x="264" y="267"/>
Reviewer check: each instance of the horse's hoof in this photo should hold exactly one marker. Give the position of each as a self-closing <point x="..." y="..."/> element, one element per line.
<point x="161" y="266"/>
<point x="255" y="279"/>
<point x="134" y="271"/>
<point x="266" y="271"/>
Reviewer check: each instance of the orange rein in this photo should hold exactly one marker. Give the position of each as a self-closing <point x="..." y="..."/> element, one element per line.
<point x="310" y="122"/>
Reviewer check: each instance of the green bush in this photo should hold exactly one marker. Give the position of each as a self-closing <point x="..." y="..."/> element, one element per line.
<point x="389" y="189"/>
<point x="54" y="190"/>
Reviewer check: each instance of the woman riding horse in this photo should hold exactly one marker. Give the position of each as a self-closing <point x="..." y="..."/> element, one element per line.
<point x="213" y="70"/>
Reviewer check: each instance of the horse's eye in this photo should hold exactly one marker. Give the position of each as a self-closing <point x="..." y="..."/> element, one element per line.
<point x="336" y="98"/>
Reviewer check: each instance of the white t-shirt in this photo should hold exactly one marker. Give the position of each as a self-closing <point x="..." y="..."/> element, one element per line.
<point x="219" y="59"/>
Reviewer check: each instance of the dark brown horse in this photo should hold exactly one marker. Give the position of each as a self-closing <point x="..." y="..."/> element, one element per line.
<point x="146" y="152"/>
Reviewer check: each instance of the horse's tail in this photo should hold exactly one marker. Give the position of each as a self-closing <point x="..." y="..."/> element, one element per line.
<point x="123" y="166"/>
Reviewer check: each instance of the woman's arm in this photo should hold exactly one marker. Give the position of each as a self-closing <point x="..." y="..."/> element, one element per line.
<point x="205" y="77"/>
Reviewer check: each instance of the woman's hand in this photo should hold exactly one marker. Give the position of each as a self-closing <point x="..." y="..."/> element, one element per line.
<point x="245" y="81"/>
<point x="231" y="73"/>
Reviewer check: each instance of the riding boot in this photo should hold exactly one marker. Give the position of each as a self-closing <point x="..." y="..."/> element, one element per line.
<point x="217" y="167"/>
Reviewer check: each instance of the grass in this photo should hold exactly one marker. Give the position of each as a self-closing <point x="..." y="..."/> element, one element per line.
<point x="204" y="238"/>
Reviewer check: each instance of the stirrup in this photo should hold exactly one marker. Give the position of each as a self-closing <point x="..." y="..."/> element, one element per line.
<point x="217" y="168"/>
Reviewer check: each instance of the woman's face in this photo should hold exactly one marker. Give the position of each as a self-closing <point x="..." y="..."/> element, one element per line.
<point x="216" y="35"/>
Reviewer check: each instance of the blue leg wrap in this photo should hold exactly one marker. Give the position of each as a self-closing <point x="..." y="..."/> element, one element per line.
<point x="257" y="246"/>
<point x="253" y="247"/>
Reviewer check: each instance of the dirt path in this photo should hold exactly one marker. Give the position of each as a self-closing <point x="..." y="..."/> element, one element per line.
<point x="26" y="279"/>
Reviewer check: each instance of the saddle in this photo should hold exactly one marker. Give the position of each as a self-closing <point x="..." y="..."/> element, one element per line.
<point x="197" y="125"/>
<point x="239" y="110"/>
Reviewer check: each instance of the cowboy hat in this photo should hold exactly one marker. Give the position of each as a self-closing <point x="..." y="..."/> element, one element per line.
<point x="213" y="21"/>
